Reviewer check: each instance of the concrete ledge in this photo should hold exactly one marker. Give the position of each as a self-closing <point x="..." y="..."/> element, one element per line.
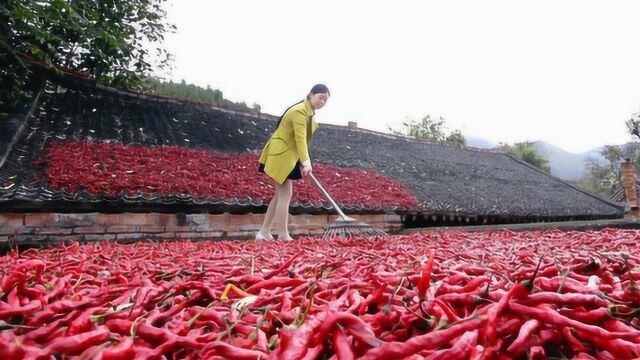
<point x="564" y="226"/>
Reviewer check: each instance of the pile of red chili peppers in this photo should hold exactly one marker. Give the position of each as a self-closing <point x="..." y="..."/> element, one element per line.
<point x="445" y="295"/>
<point x="114" y="170"/>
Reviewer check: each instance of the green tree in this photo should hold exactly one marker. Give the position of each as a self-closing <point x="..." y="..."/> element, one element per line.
<point x="191" y="92"/>
<point x="428" y="129"/>
<point x="456" y="137"/>
<point x="633" y="124"/>
<point x="604" y="177"/>
<point x="110" y="40"/>
<point x="527" y="153"/>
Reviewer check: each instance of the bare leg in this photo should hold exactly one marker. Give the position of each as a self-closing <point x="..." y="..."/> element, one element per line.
<point x="283" y="192"/>
<point x="265" y="229"/>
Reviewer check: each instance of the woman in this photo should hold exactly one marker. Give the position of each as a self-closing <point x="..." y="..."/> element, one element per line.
<point x="285" y="158"/>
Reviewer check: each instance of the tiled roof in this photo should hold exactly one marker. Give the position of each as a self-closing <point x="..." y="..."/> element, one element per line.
<point x="447" y="179"/>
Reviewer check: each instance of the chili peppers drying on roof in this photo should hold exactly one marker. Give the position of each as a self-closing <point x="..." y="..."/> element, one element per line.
<point x="113" y="170"/>
<point x="446" y="295"/>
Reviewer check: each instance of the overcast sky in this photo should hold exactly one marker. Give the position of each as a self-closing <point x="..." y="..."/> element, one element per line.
<point x="567" y="72"/>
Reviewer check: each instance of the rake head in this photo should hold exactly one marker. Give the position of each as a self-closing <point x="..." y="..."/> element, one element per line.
<point x="348" y="227"/>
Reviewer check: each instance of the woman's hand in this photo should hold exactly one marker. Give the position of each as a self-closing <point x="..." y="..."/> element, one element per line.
<point x="306" y="167"/>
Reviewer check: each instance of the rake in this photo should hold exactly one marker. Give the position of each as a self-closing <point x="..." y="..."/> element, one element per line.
<point x="345" y="226"/>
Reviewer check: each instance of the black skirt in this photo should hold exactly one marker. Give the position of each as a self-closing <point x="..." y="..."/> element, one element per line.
<point x="295" y="174"/>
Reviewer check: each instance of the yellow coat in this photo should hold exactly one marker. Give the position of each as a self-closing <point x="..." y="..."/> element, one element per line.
<point x="289" y="143"/>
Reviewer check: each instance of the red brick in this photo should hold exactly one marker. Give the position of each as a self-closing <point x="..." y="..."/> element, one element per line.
<point x="10" y="230"/>
<point x="76" y="220"/>
<point x="28" y="238"/>
<point x="142" y="219"/>
<point x="110" y="219"/>
<point x="122" y="229"/>
<point x="231" y="228"/>
<point x="167" y="219"/>
<point x="11" y="223"/>
<point x="197" y="219"/>
<point x="25" y="230"/>
<point x="101" y="237"/>
<point x="11" y="219"/>
<point x="239" y="219"/>
<point x="188" y="235"/>
<point x="151" y="228"/>
<point x="393" y="218"/>
<point x="131" y="236"/>
<point x="40" y="219"/>
<point x="165" y="235"/>
<point x="212" y="234"/>
<point x="177" y="228"/>
<point x="58" y="238"/>
<point x="207" y="227"/>
<point x="250" y="227"/>
<point x="219" y="219"/>
<point x="316" y="233"/>
<point x="53" y="231"/>
<point x="257" y="219"/>
<point x="306" y="227"/>
<point x="298" y="219"/>
<point x="239" y="235"/>
<point x="89" y="230"/>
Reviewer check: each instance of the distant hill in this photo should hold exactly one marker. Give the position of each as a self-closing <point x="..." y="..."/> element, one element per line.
<point x="480" y="143"/>
<point x="564" y="164"/>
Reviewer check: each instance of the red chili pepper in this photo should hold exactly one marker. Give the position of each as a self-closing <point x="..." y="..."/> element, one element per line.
<point x="44" y="333"/>
<point x="572" y="300"/>
<point x="537" y="353"/>
<point x="517" y="347"/>
<point x="425" y="278"/>
<point x="10" y="348"/>
<point x="341" y="346"/>
<point x="275" y="283"/>
<point x="549" y="316"/>
<point x="398" y="350"/>
<point x="295" y="344"/>
<point x="231" y="352"/>
<point x="83" y="322"/>
<point x="351" y="323"/>
<point x="461" y="349"/>
<point x="575" y="345"/>
<point x="448" y="311"/>
<point x="7" y="311"/>
<point x="284" y="266"/>
<point x="122" y="350"/>
<point x="19" y="270"/>
<point x="76" y="344"/>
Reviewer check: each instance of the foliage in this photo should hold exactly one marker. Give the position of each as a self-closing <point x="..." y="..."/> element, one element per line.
<point x="456" y="137"/>
<point x="526" y="152"/>
<point x="191" y="92"/>
<point x="428" y="129"/>
<point x="604" y="177"/>
<point x="109" y="40"/>
<point x="633" y="124"/>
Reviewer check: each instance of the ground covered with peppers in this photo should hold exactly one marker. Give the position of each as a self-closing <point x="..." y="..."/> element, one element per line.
<point x="447" y="295"/>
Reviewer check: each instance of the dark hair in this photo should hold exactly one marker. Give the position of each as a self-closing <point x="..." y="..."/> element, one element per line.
<point x="319" y="89"/>
<point x="316" y="89"/>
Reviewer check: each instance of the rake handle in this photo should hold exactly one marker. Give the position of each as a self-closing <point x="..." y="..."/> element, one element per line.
<point x="326" y="194"/>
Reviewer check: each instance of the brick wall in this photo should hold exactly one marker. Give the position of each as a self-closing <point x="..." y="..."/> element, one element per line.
<point x="54" y="227"/>
<point x="628" y="171"/>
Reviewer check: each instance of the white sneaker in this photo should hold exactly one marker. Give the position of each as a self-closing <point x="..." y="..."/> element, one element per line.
<point x="259" y="236"/>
